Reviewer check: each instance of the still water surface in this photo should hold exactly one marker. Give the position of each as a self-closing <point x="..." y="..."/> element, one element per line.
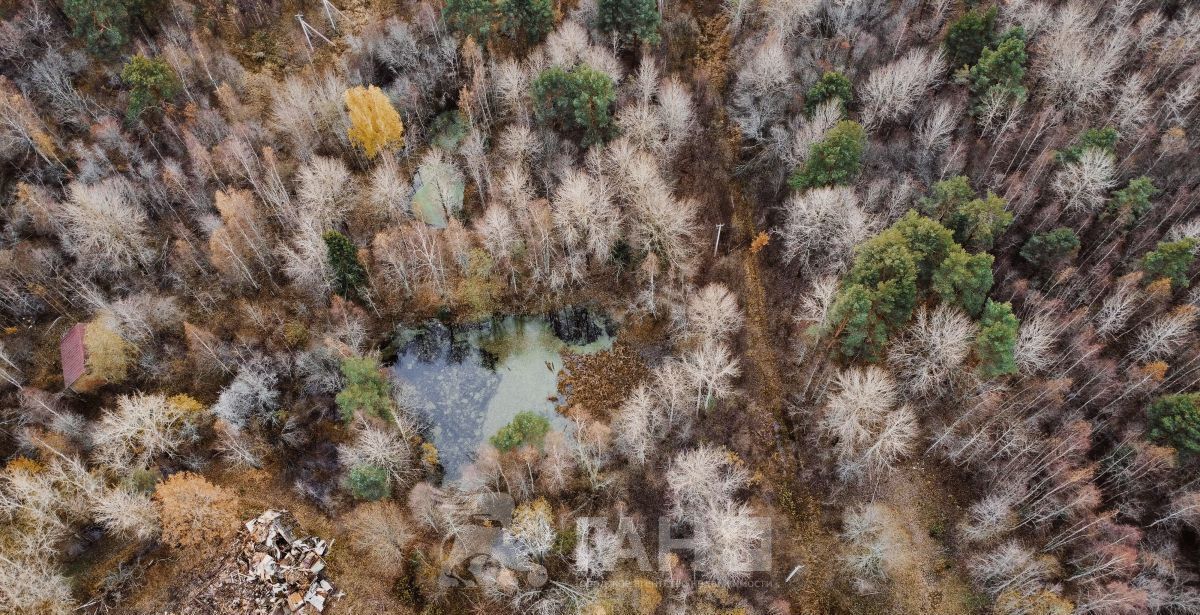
<point x="471" y="381"/>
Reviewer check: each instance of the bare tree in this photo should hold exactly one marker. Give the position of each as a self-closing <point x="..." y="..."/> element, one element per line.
<point x="1189" y="229"/>
<point x="104" y="227"/>
<point x="935" y="130"/>
<point x="500" y="237"/>
<point x="805" y="132"/>
<point x="875" y="547"/>
<point x="815" y="304"/>
<point x="9" y="372"/>
<point x="1010" y="566"/>
<point x="1133" y="107"/>
<point x="869" y="433"/>
<point x="514" y="188"/>
<point x="666" y="226"/>
<point x="124" y="512"/>
<point x="1075" y="65"/>
<point x="311" y="113"/>
<point x="1164" y="336"/>
<point x="141" y="428"/>
<point x="251" y="395"/>
<point x="712" y="369"/>
<point x="240" y="247"/>
<point x="21" y="130"/>
<point x="893" y="441"/>
<point x="764" y="84"/>
<point x="789" y="17"/>
<point x="33" y="585"/>
<point x="1035" y="342"/>
<point x="1113" y="598"/>
<point x="294" y="115"/>
<point x="52" y="76"/>
<point x="510" y="82"/>
<point x="444" y="179"/>
<point x="585" y="216"/>
<point x="1119" y="305"/>
<point x="474" y="153"/>
<point x="728" y="543"/>
<point x="1180" y="98"/>
<point x="703" y="479"/>
<point x="642" y="125"/>
<point x="381" y="531"/>
<point x="713" y="314"/>
<point x="822" y="227"/>
<point x="305" y="261"/>
<point x="672" y="389"/>
<point x="532" y="529"/>
<point x="990" y="517"/>
<point x="844" y="16"/>
<point x="518" y="146"/>
<point x="240" y="448"/>
<point x="677" y="112"/>
<point x="426" y="252"/>
<point x="390" y="194"/>
<point x="142" y="316"/>
<point x="596" y="550"/>
<point x="422" y="505"/>
<point x="593" y="448"/>
<point x="1184" y="508"/>
<point x="637" y="426"/>
<point x="933" y="349"/>
<point x="605" y="61"/>
<point x="557" y="466"/>
<point x="893" y="91"/>
<point x="565" y="46"/>
<point x="1084" y="185"/>
<point x="737" y="10"/>
<point x="392" y="258"/>
<point x="322" y="189"/>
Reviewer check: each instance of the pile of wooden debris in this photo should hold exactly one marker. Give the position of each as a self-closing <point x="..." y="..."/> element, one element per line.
<point x="290" y="569"/>
<point x="264" y="570"/>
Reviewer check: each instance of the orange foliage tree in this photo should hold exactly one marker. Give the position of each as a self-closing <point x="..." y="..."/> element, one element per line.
<point x="194" y="511"/>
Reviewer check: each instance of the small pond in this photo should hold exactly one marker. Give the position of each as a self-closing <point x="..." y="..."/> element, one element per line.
<point x="468" y="382"/>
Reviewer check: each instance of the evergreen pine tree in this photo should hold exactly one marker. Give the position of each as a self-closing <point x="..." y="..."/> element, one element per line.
<point x="348" y="273"/>
<point x="631" y="21"/>
<point x="997" y="340"/>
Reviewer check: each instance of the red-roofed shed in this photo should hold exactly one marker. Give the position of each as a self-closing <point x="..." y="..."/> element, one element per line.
<point x="74" y="354"/>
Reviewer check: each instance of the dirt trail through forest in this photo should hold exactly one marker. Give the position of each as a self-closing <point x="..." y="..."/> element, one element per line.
<point x="761" y="348"/>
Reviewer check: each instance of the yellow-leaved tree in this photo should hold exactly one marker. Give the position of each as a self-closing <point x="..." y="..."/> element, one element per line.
<point x="109" y="356"/>
<point x="374" y="123"/>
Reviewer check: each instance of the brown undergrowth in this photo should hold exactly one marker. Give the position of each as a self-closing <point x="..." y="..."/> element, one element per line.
<point x="597" y="383"/>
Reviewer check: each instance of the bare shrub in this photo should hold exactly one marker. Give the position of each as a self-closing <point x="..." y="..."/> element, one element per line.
<point x="128" y="513"/>
<point x="383" y="448"/>
<point x="380" y="531"/>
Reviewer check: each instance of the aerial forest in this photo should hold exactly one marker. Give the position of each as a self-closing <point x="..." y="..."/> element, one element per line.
<point x="599" y="307"/>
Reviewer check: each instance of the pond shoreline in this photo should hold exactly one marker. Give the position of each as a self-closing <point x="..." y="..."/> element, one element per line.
<point x="465" y="382"/>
